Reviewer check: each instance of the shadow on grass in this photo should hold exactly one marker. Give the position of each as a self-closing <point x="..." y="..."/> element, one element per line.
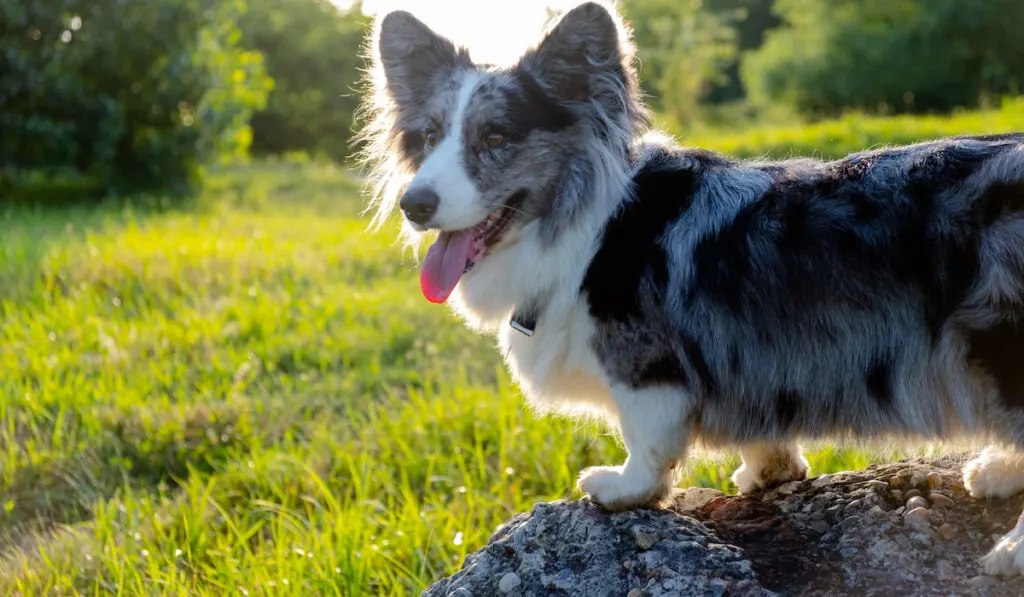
<point x="138" y="447"/>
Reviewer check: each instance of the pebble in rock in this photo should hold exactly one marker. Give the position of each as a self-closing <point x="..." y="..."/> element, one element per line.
<point x="645" y="541"/>
<point x="946" y="531"/>
<point x="509" y="582"/>
<point x="917" y="519"/>
<point x="916" y="502"/>
<point x="941" y="501"/>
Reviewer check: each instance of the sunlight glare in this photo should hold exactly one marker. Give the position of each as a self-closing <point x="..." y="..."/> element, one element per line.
<point x="495" y="32"/>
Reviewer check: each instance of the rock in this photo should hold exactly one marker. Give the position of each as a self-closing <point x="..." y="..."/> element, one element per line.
<point x="694" y="498"/>
<point x="838" y="535"/>
<point x="577" y="548"/>
<point x="509" y="582"/>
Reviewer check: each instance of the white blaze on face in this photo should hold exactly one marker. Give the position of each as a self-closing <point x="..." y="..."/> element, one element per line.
<point x="444" y="171"/>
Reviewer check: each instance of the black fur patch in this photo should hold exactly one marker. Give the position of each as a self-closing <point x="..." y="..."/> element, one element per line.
<point x="1001" y="200"/>
<point x="699" y="363"/>
<point x="631" y="244"/>
<point x="411" y="146"/>
<point x="666" y="369"/>
<point x="787" y="406"/>
<point x="803" y="233"/>
<point x="995" y="138"/>
<point x="531" y="108"/>
<point x="734" y="360"/>
<point x="945" y="264"/>
<point x="878" y="378"/>
<point x="941" y="170"/>
<point x="999" y="350"/>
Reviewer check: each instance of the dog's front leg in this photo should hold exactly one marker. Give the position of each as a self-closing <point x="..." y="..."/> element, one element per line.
<point x="653" y="422"/>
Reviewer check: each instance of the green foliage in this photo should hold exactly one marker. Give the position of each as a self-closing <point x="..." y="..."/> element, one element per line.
<point x="133" y="95"/>
<point x="889" y="55"/>
<point x="751" y="19"/>
<point x="837" y="138"/>
<point x="683" y="52"/>
<point x="312" y="51"/>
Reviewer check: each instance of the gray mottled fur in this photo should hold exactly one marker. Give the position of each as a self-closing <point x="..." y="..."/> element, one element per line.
<point x="818" y="347"/>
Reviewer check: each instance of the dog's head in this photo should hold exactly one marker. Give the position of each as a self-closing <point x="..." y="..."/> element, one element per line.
<point x="478" y="152"/>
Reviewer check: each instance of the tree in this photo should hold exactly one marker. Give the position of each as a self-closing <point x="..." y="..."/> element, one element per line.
<point x="137" y="97"/>
<point x="684" y="51"/>
<point x="752" y="19"/>
<point x="889" y="55"/>
<point x="312" y="52"/>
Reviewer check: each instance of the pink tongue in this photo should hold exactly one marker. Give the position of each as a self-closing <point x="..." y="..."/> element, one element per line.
<point x="445" y="262"/>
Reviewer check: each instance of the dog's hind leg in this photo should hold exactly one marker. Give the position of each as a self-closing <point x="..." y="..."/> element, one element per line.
<point x="768" y="464"/>
<point x="995" y="473"/>
<point x="654" y="427"/>
<point x="999" y="473"/>
<point x="1007" y="557"/>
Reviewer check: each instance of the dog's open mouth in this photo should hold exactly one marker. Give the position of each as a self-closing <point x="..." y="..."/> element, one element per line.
<point x="455" y="252"/>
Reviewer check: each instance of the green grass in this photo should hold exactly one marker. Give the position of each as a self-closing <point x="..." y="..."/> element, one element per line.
<point x="248" y="395"/>
<point x="835" y="138"/>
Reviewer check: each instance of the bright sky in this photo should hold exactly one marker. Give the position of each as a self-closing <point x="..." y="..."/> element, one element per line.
<point x="493" y="30"/>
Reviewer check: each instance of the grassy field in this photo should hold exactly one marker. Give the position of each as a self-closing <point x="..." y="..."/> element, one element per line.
<point x="248" y="395"/>
<point x="835" y="138"/>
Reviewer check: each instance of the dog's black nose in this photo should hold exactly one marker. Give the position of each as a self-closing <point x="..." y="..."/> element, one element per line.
<point x="420" y="205"/>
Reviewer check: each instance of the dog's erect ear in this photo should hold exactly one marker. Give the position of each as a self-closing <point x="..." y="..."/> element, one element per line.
<point x="585" y="44"/>
<point x="414" y="57"/>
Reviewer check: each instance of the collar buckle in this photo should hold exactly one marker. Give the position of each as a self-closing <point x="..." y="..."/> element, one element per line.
<point x="524" y="321"/>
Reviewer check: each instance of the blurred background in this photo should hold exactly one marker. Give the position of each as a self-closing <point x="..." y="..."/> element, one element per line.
<point x="214" y="380"/>
<point x="138" y="94"/>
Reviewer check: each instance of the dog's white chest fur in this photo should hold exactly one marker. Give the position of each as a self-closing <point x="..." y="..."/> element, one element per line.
<point x="556" y="367"/>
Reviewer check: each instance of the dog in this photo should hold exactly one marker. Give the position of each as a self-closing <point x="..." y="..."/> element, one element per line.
<point x="684" y="295"/>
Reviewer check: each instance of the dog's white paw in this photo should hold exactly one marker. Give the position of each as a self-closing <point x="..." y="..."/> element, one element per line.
<point x="759" y="474"/>
<point x="746" y="480"/>
<point x="1007" y="557"/>
<point x="613" y="488"/>
<point x="994" y="474"/>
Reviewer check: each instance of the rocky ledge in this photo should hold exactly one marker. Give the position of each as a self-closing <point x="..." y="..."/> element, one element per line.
<point x="907" y="528"/>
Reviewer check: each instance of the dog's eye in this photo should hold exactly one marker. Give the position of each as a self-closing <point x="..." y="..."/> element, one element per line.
<point x="430" y="137"/>
<point x="495" y="140"/>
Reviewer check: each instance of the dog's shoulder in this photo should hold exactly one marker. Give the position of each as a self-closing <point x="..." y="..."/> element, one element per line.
<point x="658" y="154"/>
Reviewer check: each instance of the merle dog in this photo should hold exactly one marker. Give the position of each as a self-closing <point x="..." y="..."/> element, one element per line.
<point x="684" y="295"/>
